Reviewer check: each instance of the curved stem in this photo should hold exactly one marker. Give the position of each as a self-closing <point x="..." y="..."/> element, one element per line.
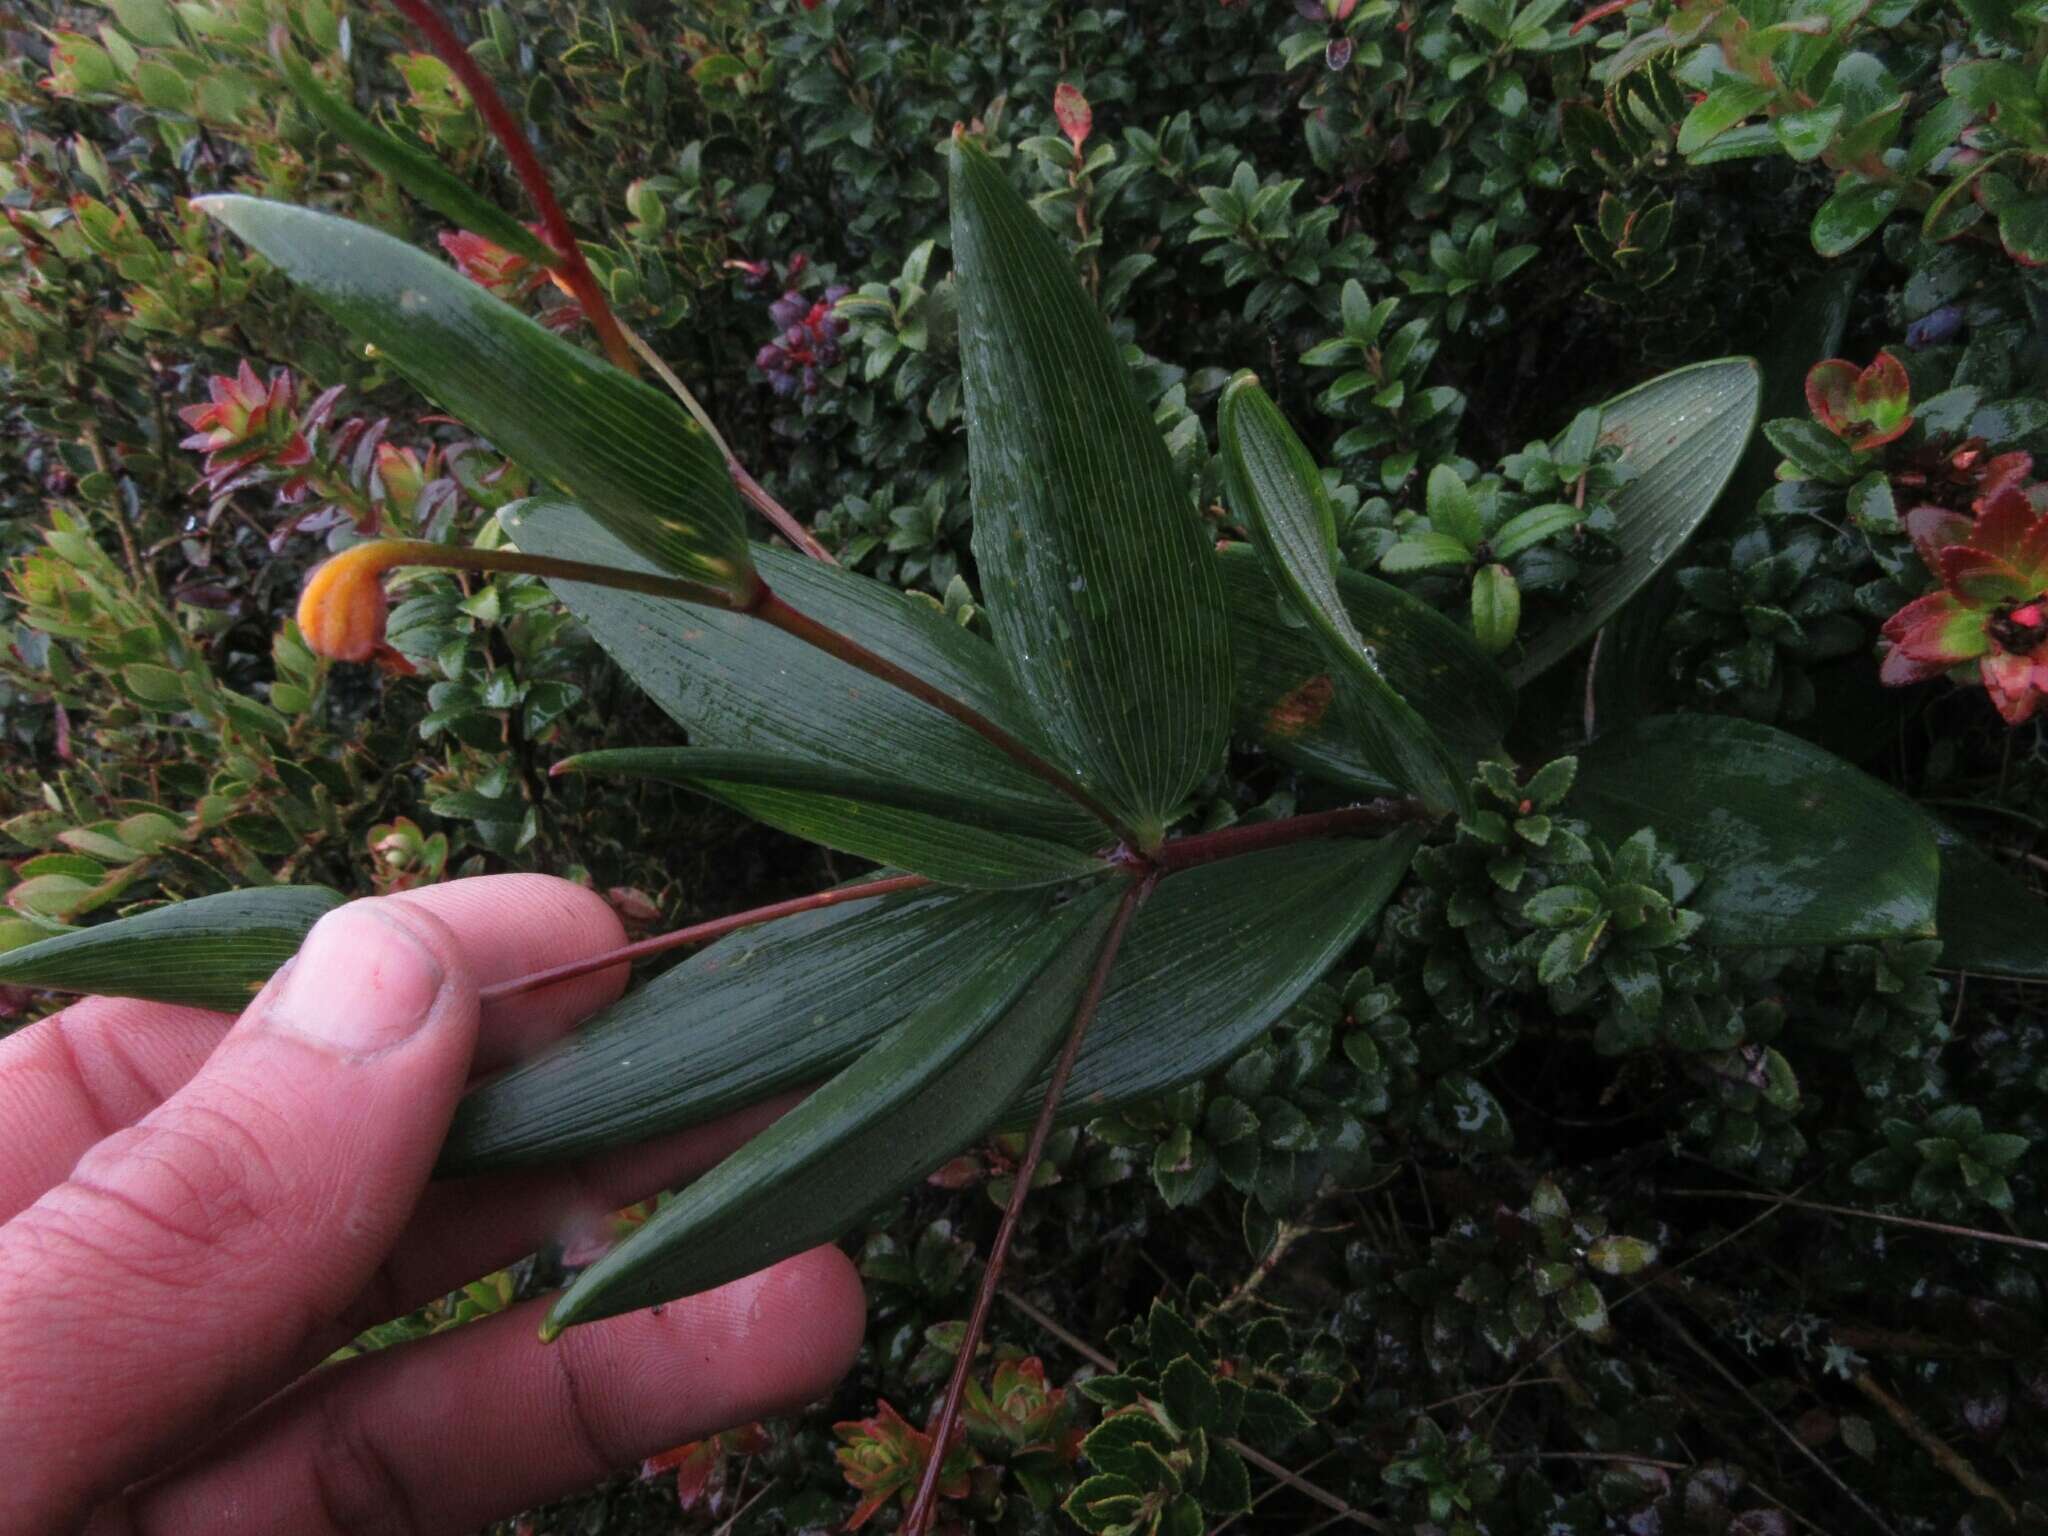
<point x="576" y="275"/>
<point x="1208" y="847"/>
<point x="455" y="557"/>
<point x="773" y="610"/>
<point x="698" y="933"/>
<point x="919" y="1518"/>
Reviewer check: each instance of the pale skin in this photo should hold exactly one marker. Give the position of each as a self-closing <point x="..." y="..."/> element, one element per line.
<point x="196" y="1210"/>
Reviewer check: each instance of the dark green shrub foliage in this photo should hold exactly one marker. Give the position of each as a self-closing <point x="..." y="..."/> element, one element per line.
<point x="1659" y="1148"/>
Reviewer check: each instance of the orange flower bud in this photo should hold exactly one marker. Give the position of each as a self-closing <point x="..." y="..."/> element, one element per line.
<point x="343" y="609"/>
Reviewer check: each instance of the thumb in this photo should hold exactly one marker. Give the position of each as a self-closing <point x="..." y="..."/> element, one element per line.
<point x="190" y="1256"/>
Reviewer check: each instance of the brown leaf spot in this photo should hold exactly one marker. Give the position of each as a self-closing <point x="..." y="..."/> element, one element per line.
<point x="1301" y="708"/>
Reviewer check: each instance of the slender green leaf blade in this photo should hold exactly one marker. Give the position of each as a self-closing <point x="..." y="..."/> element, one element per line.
<point x="1796" y="846"/>
<point x="761" y="1011"/>
<point x="209" y="952"/>
<point x="629" y="453"/>
<point x="1682" y="435"/>
<point x="1275" y="484"/>
<point x="418" y="172"/>
<point x="924" y="1091"/>
<point x="1286" y="694"/>
<point x="1214" y="957"/>
<point x="1990" y="922"/>
<point x="1092" y="560"/>
<point x="737" y="685"/>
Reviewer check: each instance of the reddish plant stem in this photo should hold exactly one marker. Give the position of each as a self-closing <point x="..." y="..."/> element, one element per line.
<point x="784" y="520"/>
<point x="920" y="1516"/>
<point x="575" y="273"/>
<point x="773" y="610"/>
<point x="1208" y="847"/>
<point x="698" y="933"/>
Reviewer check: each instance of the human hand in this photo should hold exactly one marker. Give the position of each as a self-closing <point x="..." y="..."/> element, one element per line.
<point x="196" y="1210"/>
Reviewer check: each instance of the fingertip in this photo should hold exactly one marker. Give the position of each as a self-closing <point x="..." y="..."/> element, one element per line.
<point x="809" y="1314"/>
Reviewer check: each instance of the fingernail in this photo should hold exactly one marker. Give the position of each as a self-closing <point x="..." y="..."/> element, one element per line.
<point x="361" y="983"/>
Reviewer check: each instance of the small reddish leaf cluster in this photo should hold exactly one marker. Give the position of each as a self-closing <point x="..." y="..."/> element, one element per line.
<point x="1076" y="117"/>
<point x="244" y="420"/>
<point x="509" y="276"/>
<point x="702" y="1468"/>
<point x="1866" y="408"/>
<point x="884" y="1457"/>
<point x="1992" y="608"/>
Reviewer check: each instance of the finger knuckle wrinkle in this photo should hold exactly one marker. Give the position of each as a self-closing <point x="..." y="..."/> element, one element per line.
<point x="357" y="1487"/>
<point x="579" y="1365"/>
<point x="204" y="1181"/>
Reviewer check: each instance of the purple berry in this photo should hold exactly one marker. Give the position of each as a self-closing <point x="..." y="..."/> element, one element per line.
<point x="1935" y="327"/>
<point x="788" y="310"/>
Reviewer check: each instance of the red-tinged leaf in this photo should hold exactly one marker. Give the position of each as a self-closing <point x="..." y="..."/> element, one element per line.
<point x="1933" y="529"/>
<point x="1075" y="115"/>
<point x="2016" y="683"/>
<point x="1977" y="576"/>
<point x="1829" y="387"/>
<point x="1931" y="635"/>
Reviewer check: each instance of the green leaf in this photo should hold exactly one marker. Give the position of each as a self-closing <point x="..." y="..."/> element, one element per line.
<point x="1718" y="111"/>
<point x="1681" y="436"/>
<point x="1286" y="695"/>
<point x="1452" y="506"/>
<point x="1093" y="563"/>
<point x="629" y="453"/>
<point x="928" y="1088"/>
<point x="1275" y="483"/>
<point x="1496" y="608"/>
<point x="794" y="1001"/>
<point x="1852" y="215"/>
<point x="1989" y="921"/>
<point x="210" y="952"/>
<point x="411" y="167"/>
<point x="737" y="685"/>
<point x="1797" y="846"/>
<point x="1425" y="551"/>
<point x="1533" y="526"/>
<point x="714" y="768"/>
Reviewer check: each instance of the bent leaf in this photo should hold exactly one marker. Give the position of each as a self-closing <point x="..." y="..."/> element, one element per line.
<point x="924" y="1091"/>
<point x="1682" y="435"/>
<point x="209" y="952"/>
<point x="1213" y="958"/>
<point x="1286" y="692"/>
<point x="1275" y="484"/>
<point x="1989" y="921"/>
<point x="629" y="453"/>
<point x="738" y="685"/>
<point x="760" y="1011"/>
<point x="1093" y="564"/>
<point x="1795" y="846"/>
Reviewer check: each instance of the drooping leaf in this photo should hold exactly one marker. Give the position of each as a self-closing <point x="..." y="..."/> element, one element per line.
<point x="629" y="453"/>
<point x="209" y="952"/>
<point x="1092" y="560"/>
<point x="1989" y="921"/>
<point x="1794" y="845"/>
<point x="760" y="1011"/>
<point x="697" y="767"/>
<point x="1275" y="484"/>
<point x="738" y="685"/>
<point x="1213" y="958"/>
<point x="921" y="1093"/>
<point x="1681" y="435"/>
<point x="1286" y="693"/>
<point x="417" y="171"/>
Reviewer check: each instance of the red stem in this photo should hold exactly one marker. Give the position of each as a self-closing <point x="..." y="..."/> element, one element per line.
<point x="1208" y="847"/>
<point x="450" y="50"/>
<point x="776" y="513"/>
<point x="773" y="610"/>
<point x="718" y="927"/>
<point x="919" y="1518"/>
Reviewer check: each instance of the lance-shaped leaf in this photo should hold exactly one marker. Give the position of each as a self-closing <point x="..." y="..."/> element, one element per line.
<point x="1794" y="845"/>
<point x="737" y="685"/>
<point x="921" y="1093"/>
<point x="210" y="952"/>
<point x="1287" y="697"/>
<point x="1990" y="922"/>
<point x="1214" y="957"/>
<point x="1681" y="436"/>
<point x="629" y="453"/>
<point x="1275" y="484"/>
<point x="1093" y="563"/>
<point x="425" y="177"/>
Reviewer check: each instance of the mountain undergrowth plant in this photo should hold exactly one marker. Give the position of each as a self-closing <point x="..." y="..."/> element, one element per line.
<point x="1053" y="932"/>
